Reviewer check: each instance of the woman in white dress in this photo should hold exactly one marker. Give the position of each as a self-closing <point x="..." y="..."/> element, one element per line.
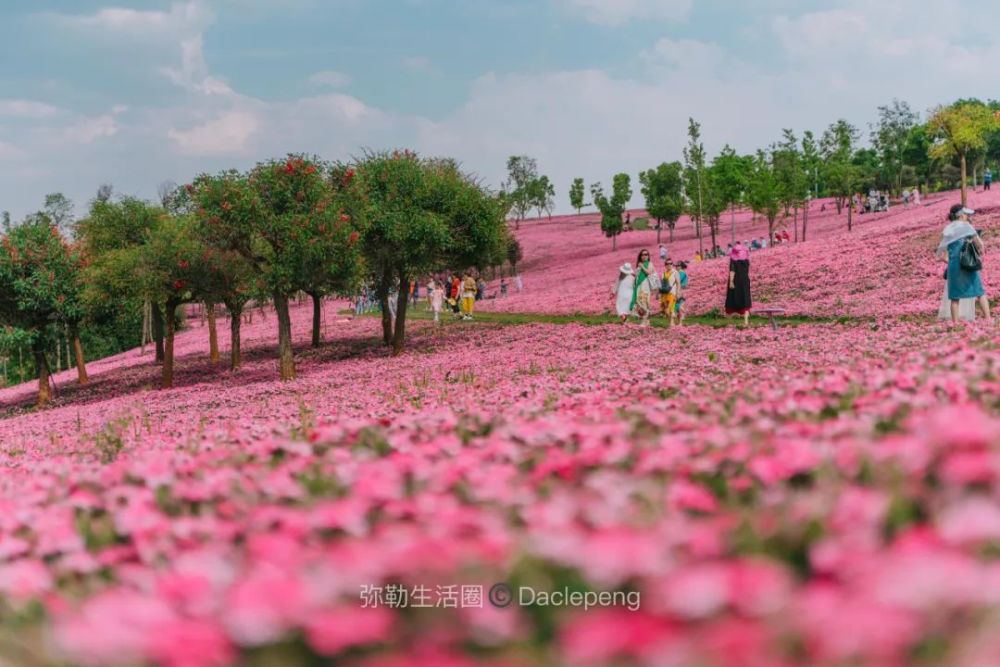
<point x="623" y="290"/>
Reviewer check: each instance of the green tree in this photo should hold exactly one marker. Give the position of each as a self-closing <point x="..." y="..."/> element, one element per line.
<point x="663" y="189"/>
<point x="284" y="218"/>
<point x="576" y="194"/>
<point x="612" y="208"/>
<point x="791" y="176"/>
<point x="810" y="165"/>
<point x="543" y="195"/>
<point x="959" y="130"/>
<point x="522" y="177"/>
<point x="59" y="209"/>
<point x="422" y="215"/>
<point x="38" y="275"/>
<point x="889" y="139"/>
<point x="695" y="178"/>
<point x="730" y="173"/>
<point x="764" y="192"/>
<point x="839" y="172"/>
<point x="110" y="229"/>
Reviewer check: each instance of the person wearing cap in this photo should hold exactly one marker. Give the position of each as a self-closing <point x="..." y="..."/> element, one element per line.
<point x="622" y="291"/>
<point x="964" y="281"/>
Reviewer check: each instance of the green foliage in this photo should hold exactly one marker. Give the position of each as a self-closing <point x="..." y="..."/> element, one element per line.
<point x="543" y="195"/>
<point x="840" y="173"/>
<point x="890" y="138"/>
<point x="663" y="189"/>
<point x="764" y="190"/>
<point x="38" y="278"/>
<point x="424" y="215"/>
<point x="695" y="176"/>
<point x="960" y="128"/>
<point x="789" y="171"/>
<point x="612" y="208"/>
<point x="576" y="194"/>
<point x="519" y="190"/>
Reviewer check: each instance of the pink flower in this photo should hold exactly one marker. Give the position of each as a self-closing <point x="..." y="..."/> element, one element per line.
<point x="333" y="631"/>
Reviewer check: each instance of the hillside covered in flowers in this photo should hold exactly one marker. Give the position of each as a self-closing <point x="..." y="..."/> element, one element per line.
<point x="827" y="493"/>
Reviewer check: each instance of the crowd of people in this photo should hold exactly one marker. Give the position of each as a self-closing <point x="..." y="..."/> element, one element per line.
<point x="636" y="289"/>
<point x="458" y="292"/>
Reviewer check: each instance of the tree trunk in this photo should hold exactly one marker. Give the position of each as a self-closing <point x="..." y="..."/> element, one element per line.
<point x="399" y="334"/>
<point x="965" y="194"/>
<point x="286" y="359"/>
<point x="213" y="334"/>
<point x="317" y="313"/>
<point x="81" y="365"/>
<point x="235" y="319"/>
<point x="42" y="364"/>
<point x="805" y="220"/>
<point x="732" y="222"/>
<point x="839" y="201"/>
<point x="712" y="229"/>
<point x="795" y="223"/>
<point x="383" y="299"/>
<point x="672" y="233"/>
<point x="168" y="348"/>
<point x="158" y="331"/>
<point x="850" y="213"/>
<point x="659" y="228"/>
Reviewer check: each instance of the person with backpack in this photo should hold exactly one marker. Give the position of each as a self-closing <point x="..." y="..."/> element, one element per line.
<point x="962" y="247"/>
<point x="670" y="285"/>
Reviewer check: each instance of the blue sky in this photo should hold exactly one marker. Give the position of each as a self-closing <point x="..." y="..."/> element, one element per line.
<point x="136" y="93"/>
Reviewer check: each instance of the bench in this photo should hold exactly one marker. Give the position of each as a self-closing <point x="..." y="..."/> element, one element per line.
<point x="770" y="313"/>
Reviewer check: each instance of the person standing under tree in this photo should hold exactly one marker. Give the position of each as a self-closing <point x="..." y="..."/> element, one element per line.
<point x="738" y="300"/>
<point x="987" y="179"/>
<point x="436" y="295"/>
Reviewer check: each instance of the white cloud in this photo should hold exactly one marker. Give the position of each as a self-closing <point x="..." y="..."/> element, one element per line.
<point x="417" y="63"/>
<point x="27" y="109"/>
<point x="193" y="72"/>
<point x="330" y="78"/>
<point x="840" y="62"/>
<point x="688" y="54"/>
<point x="228" y="134"/>
<point x="89" y="130"/>
<point x="619" y="12"/>
<point x="9" y="152"/>
<point x="181" y="18"/>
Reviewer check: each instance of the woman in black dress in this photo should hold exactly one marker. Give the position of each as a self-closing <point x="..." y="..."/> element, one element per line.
<point x="738" y="289"/>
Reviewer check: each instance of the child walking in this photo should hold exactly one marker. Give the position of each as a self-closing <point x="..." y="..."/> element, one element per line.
<point x="437" y="300"/>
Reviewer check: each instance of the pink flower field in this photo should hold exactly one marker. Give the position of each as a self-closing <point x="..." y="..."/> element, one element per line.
<point x="824" y="494"/>
<point x="884" y="268"/>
